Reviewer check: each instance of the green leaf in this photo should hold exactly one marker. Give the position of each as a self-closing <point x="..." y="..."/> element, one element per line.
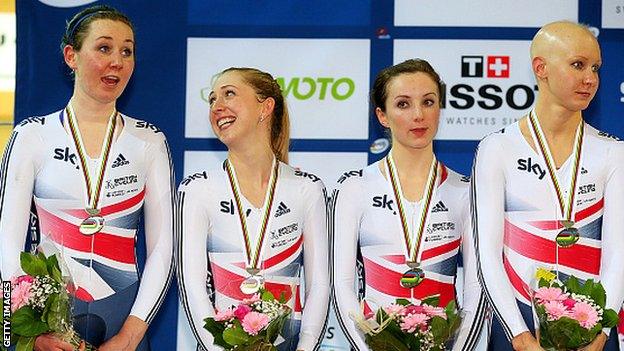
<point x="403" y="302"/>
<point x="433" y="300"/>
<point x="609" y="318"/>
<point x="267" y="296"/>
<point x="598" y="294"/>
<point x="25" y="343"/>
<point x="216" y="329"/>
<point x="573" y="285"/>
<point x="33" y="265"/>
<point x="27" y="322"/>
<point x="235" y="335"/>
<point x="385" y="342"/>
<point x="439" y="329"/>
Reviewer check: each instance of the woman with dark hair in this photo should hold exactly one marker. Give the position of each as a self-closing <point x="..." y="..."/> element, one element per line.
<point x="406" y="216"/>
<point x="91" y="171"/>
<point x="255" y="219"/>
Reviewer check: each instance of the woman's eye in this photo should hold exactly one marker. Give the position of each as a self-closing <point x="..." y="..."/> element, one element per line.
<point x="577" y="65"/>
<point x="230" y="93"/>
<point x="104" y="48"/>
<point x="429" y="102"/>
<point x="402" y="104"/>
<point x="127" y="52"/>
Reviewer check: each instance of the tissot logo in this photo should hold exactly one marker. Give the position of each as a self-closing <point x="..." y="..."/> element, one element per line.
<point x="531" y="167"/>
<point x="495" y="66"/>
<point x="384" y="202"/>
<point x="66" y="155"/>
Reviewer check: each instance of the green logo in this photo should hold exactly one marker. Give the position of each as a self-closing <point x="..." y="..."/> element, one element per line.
<point x="305" y="88"/>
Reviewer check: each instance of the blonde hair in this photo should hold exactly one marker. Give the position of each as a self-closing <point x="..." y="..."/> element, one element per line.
<point x="266" y="87"/>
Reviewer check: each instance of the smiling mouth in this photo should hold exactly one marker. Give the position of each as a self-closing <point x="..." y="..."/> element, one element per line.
<point x="225" y="122"/>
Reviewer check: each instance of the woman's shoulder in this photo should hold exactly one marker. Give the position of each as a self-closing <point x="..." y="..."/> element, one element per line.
<point x="202" y="180"/>
<point x="143" y="130"/>
<point x="301" y="178"/>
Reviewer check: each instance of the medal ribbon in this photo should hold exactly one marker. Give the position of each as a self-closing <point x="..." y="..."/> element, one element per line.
<point x="413" y="248"/>
<point x="253" y="257"/>
<point x="93" y="189"/>
<point x="538" y="138"/>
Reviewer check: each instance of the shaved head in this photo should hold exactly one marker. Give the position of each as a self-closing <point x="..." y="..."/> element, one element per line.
<point x="561" y="35"/>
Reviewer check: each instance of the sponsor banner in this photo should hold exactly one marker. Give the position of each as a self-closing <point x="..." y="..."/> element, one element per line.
<point x="489" y="83"/>
<point x="7" y="51"/>
<point x="609" y="101"/>
<point x="66" y="3"/>
<point x="279" y="13"/>
<point x="613" y="14"/>
<point x="325" y="81"/>
<point x="483" y="13"/>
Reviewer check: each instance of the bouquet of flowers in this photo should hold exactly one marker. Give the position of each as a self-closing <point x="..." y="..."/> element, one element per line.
<point x="570" y="315"/>
<point x="405" y="326"/>
<point x="253" y="325"/>
<point x="40" y="303"/>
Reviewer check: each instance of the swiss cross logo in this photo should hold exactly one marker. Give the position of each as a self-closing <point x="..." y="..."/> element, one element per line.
<point x="498" y="66"/>
<point x="485" y="66"/>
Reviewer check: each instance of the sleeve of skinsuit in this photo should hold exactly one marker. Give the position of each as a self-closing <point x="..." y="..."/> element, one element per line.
<point x="191" y="229"/>
<point x="612" y="260"/>
<point x="17" y="175"/>
<point x="488" y="201"/>
<point x="316" y="270"/>
<point x="158" y="212"/>
<point x="345" y="213"/>
<point x="474" y="302"/>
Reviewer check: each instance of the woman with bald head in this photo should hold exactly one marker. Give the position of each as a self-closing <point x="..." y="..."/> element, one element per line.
<point x="547" y="192"/>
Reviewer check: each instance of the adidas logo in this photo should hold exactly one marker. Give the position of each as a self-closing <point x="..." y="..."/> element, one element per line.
<point x="282" y="209"/>
<point x="120" y="161"/>
<point x="583" y="170"/>
<point x="439" y="207"/>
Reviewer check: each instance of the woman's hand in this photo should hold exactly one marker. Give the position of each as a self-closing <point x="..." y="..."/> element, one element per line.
<point x="49" y="342"/>
<point x="598" y="343"/>
<point x="525" y="342"/>
<point x="128" y="338"/>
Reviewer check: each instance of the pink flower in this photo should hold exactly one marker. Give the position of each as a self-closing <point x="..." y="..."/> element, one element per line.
<point x="555" y="310"/>
<point x="22" y="278"/>
<point x="394" y="309"/>
<point x="254" y="322"/>
<point x="413" y="309"/>
<point x="550" y="294"/>
<point x="241" y="311"/>
<point x="20" y="294"/>
<point x="585" y="314"/>
<point x="569" y="303"/>
<point x="252" y="299"/>
<point x="434" y="311"/>
<point x="411" y="322"/>
<point x="224" y="315"/>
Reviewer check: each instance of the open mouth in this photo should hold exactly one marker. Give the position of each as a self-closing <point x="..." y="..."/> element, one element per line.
<point x="110" y="80"/>
<point x="225" y="122"/>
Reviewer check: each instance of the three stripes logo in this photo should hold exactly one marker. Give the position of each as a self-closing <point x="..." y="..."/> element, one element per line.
<point x="120" y="161"/>
<point x="282" y="209"/>
<point x="439" y="207"/>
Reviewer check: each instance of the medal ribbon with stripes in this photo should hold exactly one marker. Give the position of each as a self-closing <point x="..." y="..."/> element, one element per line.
<point x="565" y="205"/>
<point x="569" y="235"/>
<point x="413" y="243"/>
<point x="94" y="188"/>
<point x="253" y="256"/>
